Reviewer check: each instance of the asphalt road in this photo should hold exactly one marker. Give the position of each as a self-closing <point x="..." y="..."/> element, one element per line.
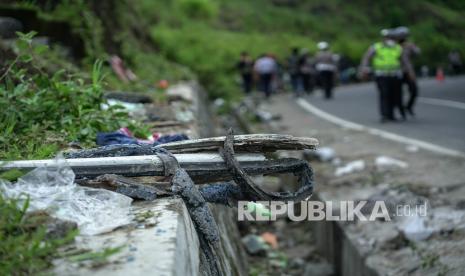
<point x="440" y="110"/>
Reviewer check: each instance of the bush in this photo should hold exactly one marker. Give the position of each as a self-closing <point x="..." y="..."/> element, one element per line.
<point x="40" y="113"/>
<point x="199" y="9"/>
<point x="24" y="248"/>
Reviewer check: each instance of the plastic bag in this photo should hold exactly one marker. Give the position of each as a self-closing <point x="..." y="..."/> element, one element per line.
<point x="415" y="229"/>
<point x="53" y="190"/>
<point x="351" y="167"/>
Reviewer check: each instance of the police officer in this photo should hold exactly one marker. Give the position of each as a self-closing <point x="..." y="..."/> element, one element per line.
<point x="385" y="60"/>
<point x="325" y="64"/>
<point x="410" y="50"/>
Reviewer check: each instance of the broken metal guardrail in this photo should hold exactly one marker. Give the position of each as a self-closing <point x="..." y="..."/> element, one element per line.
<point x="187" y="164"/>
<point x="202" y="167"/>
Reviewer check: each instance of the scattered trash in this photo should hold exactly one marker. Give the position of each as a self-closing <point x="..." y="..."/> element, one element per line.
<point x="120" y="70"/>
<point x="128" y="106"/>
<point x="351" y="167"/>
<point x="384" y="163"/>
<point x="414" y="228"/>
<point x="255" y="245"/>
<point x="53" y="190"/>
<point x="163" y="84"/>
<point x="219" y="102"/>
<point x="323" y="154"/>
<point x="265" y="116"/>
<point x="180" y="92"/>
<point x="135" y="110"/>
<point x="258" y="208"/>
<point x="270" y="239"/>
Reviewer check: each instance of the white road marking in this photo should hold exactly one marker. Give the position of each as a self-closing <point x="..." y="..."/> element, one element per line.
<point x="441" y="102"/>
<point x="374" y="131"/>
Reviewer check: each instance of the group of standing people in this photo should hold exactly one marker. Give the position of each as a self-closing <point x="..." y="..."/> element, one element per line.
<point x="263" y="71"/>
<point x="303" y="70"/>
<point x="306" y="71"/>
<point x="390" y="63"/>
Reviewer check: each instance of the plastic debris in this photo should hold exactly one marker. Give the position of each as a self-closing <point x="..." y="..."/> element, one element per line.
<point x="219" y="102"/>
<point x="52" y="189"/>
<point x="383" y="163"/>
<point x="351" y="167"/>
<point x="180" y="91"/>
<point x="270" y="239"/>
<point x="259" y="209"/>
<point x="255" y="245"/>
<point x="134" y="109"/>
<point x="323" y="154"/>
<point x="414" y="228"/>
<point x="123" y="73"/>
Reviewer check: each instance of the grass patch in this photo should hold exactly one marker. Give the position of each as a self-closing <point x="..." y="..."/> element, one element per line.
<point x="41" y="113"/>
<point x="24" y="251"/>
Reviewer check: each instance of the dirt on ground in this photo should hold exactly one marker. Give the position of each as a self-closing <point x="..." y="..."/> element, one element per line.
<point x="367" y="167"/>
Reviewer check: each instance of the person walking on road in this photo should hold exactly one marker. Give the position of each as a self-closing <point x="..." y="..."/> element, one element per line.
<point x="306" y="73"/>
<point x="455" y="61"/>
<point x="387" y="59"/>
<point x="293" y="70"/>
<point x="325" y="64"/>
<point x="410" y="50"/>
<point x="245" y="67"/>
<point x="265" y="67"/>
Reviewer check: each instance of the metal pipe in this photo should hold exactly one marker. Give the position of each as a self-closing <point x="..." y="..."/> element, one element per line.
<point x="147" y="165"/>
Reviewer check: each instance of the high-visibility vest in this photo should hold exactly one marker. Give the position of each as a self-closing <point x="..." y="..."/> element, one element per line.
<point x="387" y="58"/>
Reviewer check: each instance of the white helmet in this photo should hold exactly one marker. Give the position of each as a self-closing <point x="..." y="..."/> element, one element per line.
<point x="402" y="32"/>
<point x="384" y="32"/>
<point x="323" y="45"/>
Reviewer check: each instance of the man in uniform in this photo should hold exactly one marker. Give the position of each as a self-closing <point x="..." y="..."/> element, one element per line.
<point x="410" y="50"/>
<point x="325" y="64"/>
<point x="385" y="60"/>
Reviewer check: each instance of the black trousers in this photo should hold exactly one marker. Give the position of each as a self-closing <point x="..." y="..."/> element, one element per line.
<point x="265" y="84"/>
<point x="413" y="91"/>
<point x="247" y="83"/>
<point x="307" y="82"/>
<point x="390" y="96"/>
<point x="295" y="82"/>
<point x="327" y="83"/>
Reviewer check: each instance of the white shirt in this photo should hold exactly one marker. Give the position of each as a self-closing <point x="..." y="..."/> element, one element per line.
<point x="265" y="65"/>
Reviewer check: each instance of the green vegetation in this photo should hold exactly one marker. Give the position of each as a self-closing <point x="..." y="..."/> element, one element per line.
<point x="41" y="113"/>
<point x="98" y="257"/>
<point x="24" y="248"/>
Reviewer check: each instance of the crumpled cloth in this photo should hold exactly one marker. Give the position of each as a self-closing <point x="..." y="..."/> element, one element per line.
<point x="124" y="137"/>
